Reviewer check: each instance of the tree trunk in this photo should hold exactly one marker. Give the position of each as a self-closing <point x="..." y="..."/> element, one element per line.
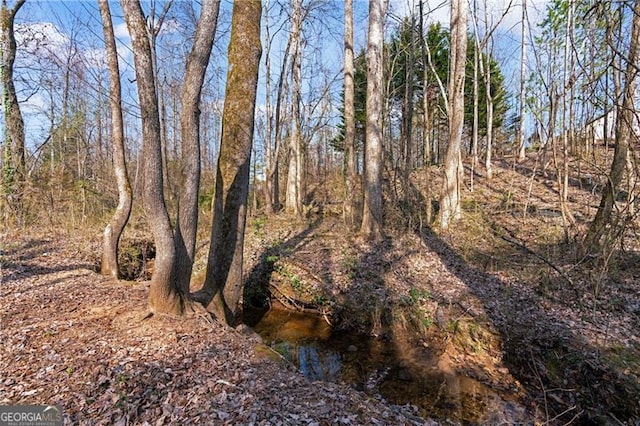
<point x="450" y="194"/>
<point x="296" y="168"/>
<point x="372" y="218"/>
<point x="13" y="173"/>
<point x="625" y="119"/>
<point x="164" y="293"/>
<point x="520" y="140"/>
<point x="187" y="223"/>
<point x="476" y="96"/>
<point x="113" y="231"/>
<point x="426" y="117"/>
<point x="489" y="99"/>
<point x="350" y="204"/>
<point x="269" y="205"/>
<point x="407" y="116"/>
<point x="567" y="118"/>
<point x="223" y="284"/>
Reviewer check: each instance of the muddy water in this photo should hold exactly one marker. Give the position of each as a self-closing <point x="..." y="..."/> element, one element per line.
<point x="402" y="374"/>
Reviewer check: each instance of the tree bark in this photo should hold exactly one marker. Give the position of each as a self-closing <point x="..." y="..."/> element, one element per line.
<point x="164" y="293"/>
<point x="426" y="133"/>
<point x="520" y="140"/>
<point x="187" y="222"/>
<point x="625" y="120"/>
<point x="269" y="205"/>
<point x="372" y="219"/>
<point x="407" y="116"/>
<point x="113" y="231"/>
<point x="489" y="100"/>
<point x="14" y="138"/>
<point x="350" y="205"/>
<point x="450" y="194"/>
<point x="296" y="168"/>
<point x="223" y="284"/>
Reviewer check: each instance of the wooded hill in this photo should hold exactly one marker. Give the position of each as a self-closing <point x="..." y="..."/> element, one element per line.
<point x="499" y="238"/>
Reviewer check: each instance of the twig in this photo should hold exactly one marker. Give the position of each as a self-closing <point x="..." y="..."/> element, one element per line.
<point x="616" y="419"/>
<point x="541" y="257"/>
<point x="574" y="417"/>
<point x="291" y="303"/>
<point x="544" y="392"/>
<point x="563" y="413"/>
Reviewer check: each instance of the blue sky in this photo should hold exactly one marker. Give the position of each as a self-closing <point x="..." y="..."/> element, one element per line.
<point x="53" y="25"/>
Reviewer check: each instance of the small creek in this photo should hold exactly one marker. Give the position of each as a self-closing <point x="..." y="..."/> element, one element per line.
<point x="401" y="373"/>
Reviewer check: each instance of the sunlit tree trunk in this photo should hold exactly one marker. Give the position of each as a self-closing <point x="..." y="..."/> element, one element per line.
<point x="624" y="134"/>
<point x="372" y="218"/>
<point x="165" y="295"/>
<point x="113" y="231"/>
<point x="274" y="175"/>
<point x="296" y="167"/>
<point x="567" y="118"/>
<point x="187" y="222"/>
<point x="407" y="115"/>
<point x="450" y="209"/>
<point x="13" y="172"/>
<point x="426" y="133"/>
<point x="520" y="139"/>
<point x="223" y="284"/>
<point x="476" y="96"/>
<point x="489" y="100"/>
<point x="349" y="119"/>
<point x="270" y="161"/>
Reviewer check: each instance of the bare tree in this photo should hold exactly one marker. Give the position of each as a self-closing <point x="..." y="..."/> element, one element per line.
<point x="350" y="199"/>
<point x="113" y="231"/>
<point x="270" y="160"/>
<point x="187" y="222"/>
<point x="14" y="139"/>
<point x="372" y="219"/>
<point x="624" y="133"/>
<point x="223" y="284"/>
<point x="165" y="294"/>
<point x="450" y="194"/>
<point x="295" y="182"/>
<point x="520" y="140"/>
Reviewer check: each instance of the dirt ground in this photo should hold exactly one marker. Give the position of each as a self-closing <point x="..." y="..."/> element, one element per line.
<point x="74" y="338"/>
<point x="503" y="299"/>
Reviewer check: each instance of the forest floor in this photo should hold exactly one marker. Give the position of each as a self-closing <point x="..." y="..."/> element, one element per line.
<point x="73" y="338"/>
<point x="502" y="298"/>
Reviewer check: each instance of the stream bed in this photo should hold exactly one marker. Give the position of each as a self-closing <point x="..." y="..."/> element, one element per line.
<point x="402" y="374"/>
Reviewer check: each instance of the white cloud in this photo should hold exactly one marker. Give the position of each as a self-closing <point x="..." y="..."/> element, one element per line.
<point x="35" y="36"/>
<point x="439" y="11"/>
<point x="121" y="31"/>
<point x="96" y="57"/>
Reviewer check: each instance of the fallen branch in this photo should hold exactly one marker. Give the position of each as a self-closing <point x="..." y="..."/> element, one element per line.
<point x="539" y="256"/>
<point x="294" y="305"/>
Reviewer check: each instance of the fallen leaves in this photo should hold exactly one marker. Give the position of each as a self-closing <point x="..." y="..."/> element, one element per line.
<point x="72" y="337"/>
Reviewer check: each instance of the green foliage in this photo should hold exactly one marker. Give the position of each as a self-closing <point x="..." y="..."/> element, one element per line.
<point x="205" y="199"/>
<point x="419" y="295"/>
<point x="427" y="322"/>
<point x="397" y="59"/>
<point x="498" y="92"/>
<point x="360" y="110"/>
<point x="296" y="283"/>
<point x="415" y="297"/>
<point x="350" y="265"/>
<point x="258" y="225"/>
<point x="320" y="300"/>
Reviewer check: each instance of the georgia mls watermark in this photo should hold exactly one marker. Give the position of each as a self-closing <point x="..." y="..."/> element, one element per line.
<point x="30" y="415"/>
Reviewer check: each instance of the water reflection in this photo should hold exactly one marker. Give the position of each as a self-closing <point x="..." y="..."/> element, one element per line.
<point x="319" y="364"/>
<point x="401" y="374"/>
